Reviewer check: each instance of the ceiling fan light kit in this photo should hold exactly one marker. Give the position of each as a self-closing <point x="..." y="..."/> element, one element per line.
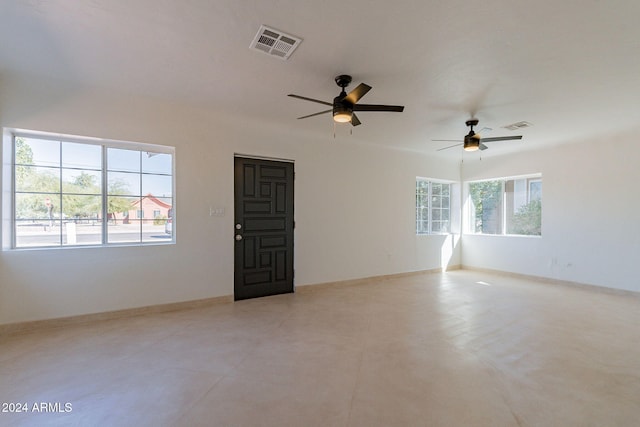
<point x="471" y="143"/>
<point x="341" y="113"/>
<point x="345" y="104"/>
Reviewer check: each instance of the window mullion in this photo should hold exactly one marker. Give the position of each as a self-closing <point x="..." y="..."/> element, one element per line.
<point x="504" y="206"/>
<point x="140" y="197"/>
<point x="60" y="194"/>
<point x="105" y="198"/>
<point x="13" y="193"/>
<point x="429" y="207"/>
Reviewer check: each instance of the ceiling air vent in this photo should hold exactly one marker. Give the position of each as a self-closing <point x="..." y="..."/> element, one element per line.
<point x="517" y="125"/>
<point x="275" y="42"/>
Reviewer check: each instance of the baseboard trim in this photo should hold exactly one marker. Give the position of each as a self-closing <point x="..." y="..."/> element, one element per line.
<point x="550" y="281"/>
<point x="60" y="322"/>
<point x="365" y="280"/>
<point x="37" y="325"/>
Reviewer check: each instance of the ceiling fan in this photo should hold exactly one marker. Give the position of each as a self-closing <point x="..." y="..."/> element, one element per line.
<point x="345" y="105"/>
<point x="473" y="141"/>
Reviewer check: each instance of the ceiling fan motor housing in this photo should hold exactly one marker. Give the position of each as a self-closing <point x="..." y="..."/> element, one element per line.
<point x="342" y="110"/>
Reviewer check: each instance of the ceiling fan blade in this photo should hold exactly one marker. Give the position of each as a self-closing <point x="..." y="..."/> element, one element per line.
<point x="373" y="107"/>
<point x="451" y="146"/>
<point x="482" y="147"/>
<point x="501" y="138"/>
<point x="355" y="95"/>
<point x="446" y="140"/>
<point x="315" y="114"/>
<point x="354" y="120"/>
<point x="310" y="99"/>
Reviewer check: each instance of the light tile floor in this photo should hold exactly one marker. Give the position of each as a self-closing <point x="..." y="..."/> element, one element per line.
<point x="457" y="349"/>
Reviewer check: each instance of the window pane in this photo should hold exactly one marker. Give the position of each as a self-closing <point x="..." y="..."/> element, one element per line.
<point x="486" y="198"/>
<point x="535" y="190"/>
<point x="123" y="160"/>
<point x="164" y="205"/>
<point x="122" y="225"/>
<point x="523" y="216"/>
<point x="435" y="227"/>
<point x="37" y="206"/>
<point x="424" y="214"/>
<point x="81" y="156"/>
<point x="120" y="209"/>
<point x="157" y="163"/>
<point x="81" y="207"/>
<point x="30" y="233"/>
<point x="82" y="232"/>
<point x="127" y="232"/>
<point x="81" y="181"/>
<point x="123" y="183"/>
<point x="154" y="231"/>
<point x="37" y="179"/>
<point x="157" y="185"/>
<point x="41" y="152"/>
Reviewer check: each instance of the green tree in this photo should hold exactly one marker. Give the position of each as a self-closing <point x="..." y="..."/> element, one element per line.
<point x="486" y="196"/>
<point x="23" y="156"/>
<point x="528" y="219"/>
<point x="30" y="204"/>
<point x="24" y="153"/>
<point x="117" y="204"/>
<point x="87" y="183"/>
<point x="81" y="198"/>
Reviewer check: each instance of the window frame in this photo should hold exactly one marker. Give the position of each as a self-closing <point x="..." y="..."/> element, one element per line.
<point x="430" y="208"/>
<point x="9" y="220"/>
<point x="470" y="214"/>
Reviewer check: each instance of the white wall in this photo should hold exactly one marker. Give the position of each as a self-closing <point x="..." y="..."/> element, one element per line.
<point x="354" y="206"/>
<point x="590" y="214"/>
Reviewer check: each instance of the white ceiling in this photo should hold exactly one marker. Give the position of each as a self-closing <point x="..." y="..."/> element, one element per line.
<point x="570" y="67"/>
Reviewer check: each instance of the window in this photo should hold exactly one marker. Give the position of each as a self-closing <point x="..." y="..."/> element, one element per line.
<point x="506" y="206"/>
<point x="75" y="192"/>
<point x="433" y="207"/>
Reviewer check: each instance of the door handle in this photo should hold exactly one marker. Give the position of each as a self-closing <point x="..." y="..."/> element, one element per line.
<point x="238" y="237"/>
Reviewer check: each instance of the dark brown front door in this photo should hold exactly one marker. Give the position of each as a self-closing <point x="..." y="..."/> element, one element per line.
<point x="263" y="228"/>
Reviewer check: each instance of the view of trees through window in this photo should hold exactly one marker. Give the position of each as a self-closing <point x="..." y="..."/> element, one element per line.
<point x="64" y="195"/>
<point x="506" y="206"/>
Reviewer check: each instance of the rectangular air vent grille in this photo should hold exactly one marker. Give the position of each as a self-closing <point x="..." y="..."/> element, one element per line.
<point x="275" y="43"/>
<point x="517" y="125"/>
